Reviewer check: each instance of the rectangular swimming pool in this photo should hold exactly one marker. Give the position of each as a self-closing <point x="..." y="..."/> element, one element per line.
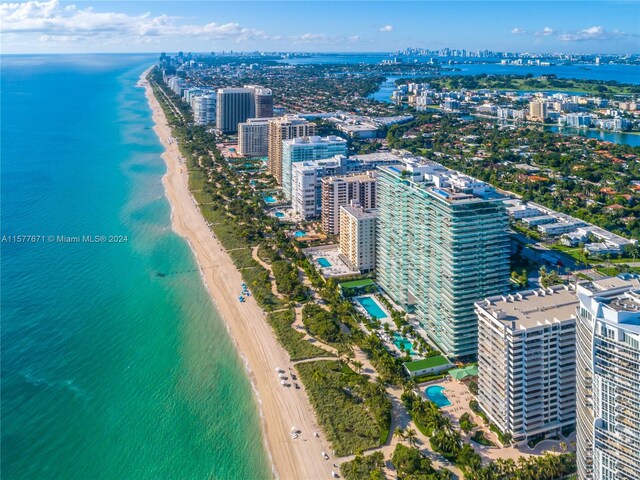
<point x="372" y="307"/>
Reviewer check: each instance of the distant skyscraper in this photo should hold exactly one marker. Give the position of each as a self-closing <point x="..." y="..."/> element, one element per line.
<point x="538" y="110"/>
<point x="235" y="105"/>
<point x="285" y="128"/>
<point x="263" y="99"/>
<point x="527" y="361"/>
<point x="204" y="109"/>
<point x="300" y="149"/>
<point x="442" y="244"/>
<point x="608" y="379"/>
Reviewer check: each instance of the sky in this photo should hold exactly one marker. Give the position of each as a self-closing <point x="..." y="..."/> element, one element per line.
<point x="54" y="26"/>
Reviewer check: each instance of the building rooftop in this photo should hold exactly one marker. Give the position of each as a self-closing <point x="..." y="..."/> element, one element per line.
<point x="365" y="176"/>
<point x="430" y="362"/>
<point x="359" y="212"/>
<point x="443" y="183"/>
<point x="314" y="140"/>
<point x="532" y="308"/>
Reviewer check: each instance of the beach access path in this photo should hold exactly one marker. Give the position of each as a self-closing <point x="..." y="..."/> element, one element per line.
<point x="281" y="408"/>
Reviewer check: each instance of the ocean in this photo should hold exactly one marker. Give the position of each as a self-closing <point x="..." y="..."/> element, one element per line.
<point x="115" y="363"/>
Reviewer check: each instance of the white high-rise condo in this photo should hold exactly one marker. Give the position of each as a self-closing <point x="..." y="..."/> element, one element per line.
<point x="253" y="137"/>
<point x="300" y="149"/>
<point x="204" y="109"/>
<point x="442" y="244"/>
<point x="527" y="361"/>
<point x="608" y="379"/>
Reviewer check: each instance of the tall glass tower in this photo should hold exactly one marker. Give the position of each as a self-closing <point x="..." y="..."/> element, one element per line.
<point x="442" y="244"/>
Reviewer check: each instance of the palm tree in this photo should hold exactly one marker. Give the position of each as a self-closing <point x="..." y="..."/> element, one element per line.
<point x="411" y="435"/>
<point x="399" y="433"/>
<point x="358" y="365"/>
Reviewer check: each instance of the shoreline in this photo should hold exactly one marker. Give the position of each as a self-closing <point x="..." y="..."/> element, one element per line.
<point x="279" y="408"/>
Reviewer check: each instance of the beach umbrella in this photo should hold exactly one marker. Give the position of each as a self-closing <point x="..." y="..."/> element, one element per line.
<point x="283" y="382"/>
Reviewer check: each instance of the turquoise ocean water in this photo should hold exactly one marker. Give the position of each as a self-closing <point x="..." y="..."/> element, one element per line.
<point x="109" y="371"/>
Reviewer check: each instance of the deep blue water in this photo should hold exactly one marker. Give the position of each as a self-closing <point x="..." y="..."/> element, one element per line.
<point x="621" y="73"/>
<point x="109" y="371"/>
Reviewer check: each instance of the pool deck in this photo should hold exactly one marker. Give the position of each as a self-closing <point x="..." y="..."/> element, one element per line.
<point x="459" y="396"/>
<point x="338" y="267"/>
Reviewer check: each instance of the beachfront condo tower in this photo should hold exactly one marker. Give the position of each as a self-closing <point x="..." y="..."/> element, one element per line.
<point x="527" y="361"/>
<point x="253" y="137"/>
<point x="608" y="379"/>
<point x="359" y="189"/>
<point x="442" y="244"/>
<point x="285" y="128"/>
<point x="236" y="105"/>
<point x="358" y="237"/>
<point x="299" y="149"/>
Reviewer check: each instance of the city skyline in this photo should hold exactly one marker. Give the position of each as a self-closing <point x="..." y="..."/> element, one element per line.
<point x="152" y="26"/>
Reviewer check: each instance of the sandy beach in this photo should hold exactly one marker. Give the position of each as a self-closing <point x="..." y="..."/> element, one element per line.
<point x="280" y="407"/>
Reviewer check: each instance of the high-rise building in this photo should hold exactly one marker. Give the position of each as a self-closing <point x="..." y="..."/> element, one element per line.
<point x="608" y="379"/>
<point x="538" y="110"/>
<point x="527" y="361"/>
<point x="442" y="244"/>
<point x="306" y="177"/>
<point x="313" y="147"/>
<point x="263" y="99"/>
<point x="285" y="128"/>
<point x="204" y="109"/>
<point x="338" y="191"/>
<point x="236" y="105"/>
<point x="253" y="137"/>
<point x="358" y="237"/>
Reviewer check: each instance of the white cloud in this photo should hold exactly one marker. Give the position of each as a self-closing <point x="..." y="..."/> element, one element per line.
<point x="323" y="38"/>
<point x="593" y="33"/>
<point x="545" y="32"/>
<point x="49" y="21"/>
<point x="387" y="28"/>
<point x="517" y="31"/>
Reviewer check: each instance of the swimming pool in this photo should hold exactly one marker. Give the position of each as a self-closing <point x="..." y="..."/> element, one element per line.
<point x="300" y="233"/>
<point x="403" y="344"/>
<point x="324" y="262"/>
<point x="269" y="199"/>
<point x="435" y="393"/>
<point x="372" y="307"/>
<point x="279" y="214"/>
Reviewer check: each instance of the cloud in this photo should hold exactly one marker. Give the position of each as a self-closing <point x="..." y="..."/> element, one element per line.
<point x="517" y="31"/>
<point x="49" y="21"/>
<point x="323" y="38"/>
<point x="594" y="33"/>
<point x="387" y="28"/>
<point x="545" y="32"/>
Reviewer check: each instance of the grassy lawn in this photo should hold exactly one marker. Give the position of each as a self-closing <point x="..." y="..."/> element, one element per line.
<point x="352" y="411"/>
<point x="365" y="282"/>
<point x="292" y="340"/>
